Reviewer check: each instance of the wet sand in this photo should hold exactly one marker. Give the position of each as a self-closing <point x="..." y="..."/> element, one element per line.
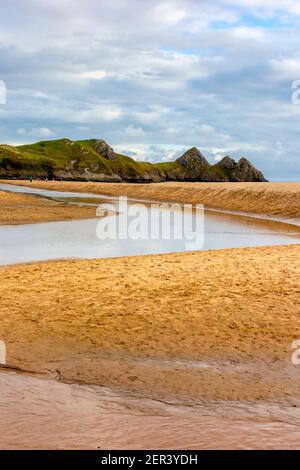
<point x="188" y="328"/>
<point x="37" y="413"/>
<point x="26" y="209"/>
<point x="272" y="199"/>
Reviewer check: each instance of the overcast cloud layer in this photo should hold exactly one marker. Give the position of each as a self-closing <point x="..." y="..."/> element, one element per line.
<point x="154" y="78"/>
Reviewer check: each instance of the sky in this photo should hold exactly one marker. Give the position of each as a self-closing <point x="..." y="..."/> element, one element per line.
<point x="154" y="78"/>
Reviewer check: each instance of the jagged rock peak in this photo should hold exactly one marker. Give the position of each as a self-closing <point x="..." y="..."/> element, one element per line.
<point x="104" y="149"/>
<point x="228" y="162"/>
<point x="245" y="171"/>
<point x="244" y="162"/>
<point x="193" y="159"/>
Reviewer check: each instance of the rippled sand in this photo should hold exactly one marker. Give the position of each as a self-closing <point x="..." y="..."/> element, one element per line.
<point x="44" y="414"/>
<point x="215" y="325"/>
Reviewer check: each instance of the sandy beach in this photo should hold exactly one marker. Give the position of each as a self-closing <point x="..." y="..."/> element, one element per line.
<point x="149" y="228"/>
<point x="27" y="209"/>
<point x="190" y="327"/>
<point x="196" y="340"/>
<point x="271" y="199"/>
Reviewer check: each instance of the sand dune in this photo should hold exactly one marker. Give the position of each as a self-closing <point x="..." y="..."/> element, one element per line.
<point x="274" y="199"/>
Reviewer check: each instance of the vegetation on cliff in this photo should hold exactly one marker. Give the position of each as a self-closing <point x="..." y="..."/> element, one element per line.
<point x="95" y="160"/>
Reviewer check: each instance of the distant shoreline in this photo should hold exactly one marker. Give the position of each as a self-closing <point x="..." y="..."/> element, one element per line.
<point x="17" y="209"/>
<point x="279" y="201"/>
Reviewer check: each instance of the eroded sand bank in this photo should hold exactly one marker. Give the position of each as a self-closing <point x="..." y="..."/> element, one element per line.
<point x="188" y="327"/>
<point x="27" y="209"/>
<point x="274" y="199"/>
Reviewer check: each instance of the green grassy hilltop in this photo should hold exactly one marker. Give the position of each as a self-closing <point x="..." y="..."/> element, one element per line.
<point x="95" y="160"/>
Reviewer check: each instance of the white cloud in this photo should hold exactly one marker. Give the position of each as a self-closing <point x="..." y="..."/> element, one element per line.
<point x="155" y="77"/>
<point x="170" y="13"/>
<point x="42" y="132"/>
<point x="286" y="69"/>
<point x="132" y="131"/>
<point x="152" y="153"/>
<point x="151" y="115"/>
<point x="85" y="75"/>
<point x="245" y="33"/>
<point x="36" y="132"/>
<point x="96" y="113"/>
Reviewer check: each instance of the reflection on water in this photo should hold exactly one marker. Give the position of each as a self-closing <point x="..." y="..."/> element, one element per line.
<point x="77" y="239"/>
<point x="41" y="413"/>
